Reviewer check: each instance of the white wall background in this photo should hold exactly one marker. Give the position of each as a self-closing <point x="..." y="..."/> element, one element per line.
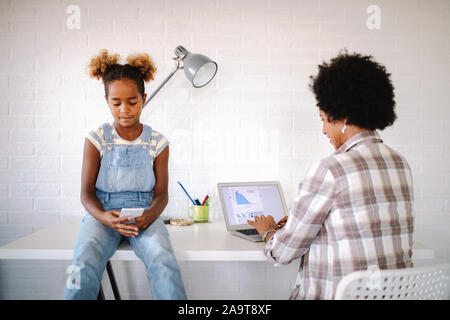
<point x="257" y="120"/>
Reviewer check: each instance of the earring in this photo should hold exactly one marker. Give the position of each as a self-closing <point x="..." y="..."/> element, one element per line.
<point x="343" y="129"/>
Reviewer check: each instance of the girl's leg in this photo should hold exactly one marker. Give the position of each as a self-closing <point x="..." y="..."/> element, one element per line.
<point x="95" y="245"/>
<point x="153" y="247"/>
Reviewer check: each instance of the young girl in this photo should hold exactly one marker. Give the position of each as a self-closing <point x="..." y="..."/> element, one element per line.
<point x="125" y="165"/>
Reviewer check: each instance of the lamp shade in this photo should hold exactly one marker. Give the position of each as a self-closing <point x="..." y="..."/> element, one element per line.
<point x="198" y="68"/>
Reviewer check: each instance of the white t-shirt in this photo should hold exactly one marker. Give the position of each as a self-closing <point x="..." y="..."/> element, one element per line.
<point x="157" y="139"/>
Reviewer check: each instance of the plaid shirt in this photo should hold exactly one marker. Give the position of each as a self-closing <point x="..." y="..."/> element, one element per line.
<point x="353" y="210"/>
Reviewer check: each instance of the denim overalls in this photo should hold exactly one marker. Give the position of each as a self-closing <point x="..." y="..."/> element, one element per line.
<point x="125" y="180"/>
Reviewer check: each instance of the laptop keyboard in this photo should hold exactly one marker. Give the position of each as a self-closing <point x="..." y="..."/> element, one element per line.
<point x="248" y="232"/>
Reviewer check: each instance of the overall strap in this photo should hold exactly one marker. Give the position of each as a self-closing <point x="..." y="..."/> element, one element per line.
<point x="109" y="140"/>
<point x="146" y="136"/>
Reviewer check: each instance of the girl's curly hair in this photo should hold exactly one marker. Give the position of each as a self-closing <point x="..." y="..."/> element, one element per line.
<point x="139" y="68"/>
<point x="355" y="87"/>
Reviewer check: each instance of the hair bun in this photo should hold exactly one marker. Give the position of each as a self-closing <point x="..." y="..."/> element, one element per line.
<point x="145" y="65"/>
<point x="100" y="63"/>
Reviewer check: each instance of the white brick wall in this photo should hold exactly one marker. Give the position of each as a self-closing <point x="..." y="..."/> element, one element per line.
<point x="266" y="51"/>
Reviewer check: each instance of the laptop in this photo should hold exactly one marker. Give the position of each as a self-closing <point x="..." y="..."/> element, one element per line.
<point x="242" y="201"/>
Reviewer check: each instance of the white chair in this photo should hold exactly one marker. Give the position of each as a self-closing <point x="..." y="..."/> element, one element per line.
<point x="424" y="283"/>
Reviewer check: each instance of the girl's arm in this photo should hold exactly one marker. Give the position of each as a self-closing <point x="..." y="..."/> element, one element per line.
<point x="89" y="173"/>
<point x="160" y="191"/>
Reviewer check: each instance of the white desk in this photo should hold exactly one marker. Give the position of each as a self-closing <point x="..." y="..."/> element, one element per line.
<point x="198" y="242"/>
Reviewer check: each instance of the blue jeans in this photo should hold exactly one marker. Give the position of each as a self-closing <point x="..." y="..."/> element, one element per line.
<point x="97" y="243"/>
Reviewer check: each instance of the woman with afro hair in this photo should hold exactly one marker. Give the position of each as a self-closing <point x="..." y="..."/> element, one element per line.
<point x="125" y="165"/>
<point x="354" y="209"/>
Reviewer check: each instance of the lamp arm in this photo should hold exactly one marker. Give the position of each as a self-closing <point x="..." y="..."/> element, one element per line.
<point x="160" y="86"/>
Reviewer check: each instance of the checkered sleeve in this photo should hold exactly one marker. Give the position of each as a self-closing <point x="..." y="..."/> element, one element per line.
<point x="306" y="217"/>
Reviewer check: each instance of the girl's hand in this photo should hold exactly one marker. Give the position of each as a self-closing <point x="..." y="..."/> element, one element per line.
<point x="111" y="219"/>
<point x="144" y="221"/>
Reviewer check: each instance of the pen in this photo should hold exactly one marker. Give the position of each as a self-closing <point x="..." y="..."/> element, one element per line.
<point x="205" y="199"/>
<point x="186" y="193"/>
<point x="197" y="202"/>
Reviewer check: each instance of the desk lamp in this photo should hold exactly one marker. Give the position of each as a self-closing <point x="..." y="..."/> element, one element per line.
<point x="199" y="69"/>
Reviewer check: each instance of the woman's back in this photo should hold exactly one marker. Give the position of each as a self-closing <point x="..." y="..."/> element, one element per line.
<point x="371" y="218"/>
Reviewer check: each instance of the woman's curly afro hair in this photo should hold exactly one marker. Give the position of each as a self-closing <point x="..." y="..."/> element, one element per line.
<point x="139" y="68"/>
<point x="355" y="87"/>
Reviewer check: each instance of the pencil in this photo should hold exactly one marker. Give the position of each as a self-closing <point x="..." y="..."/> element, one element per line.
<point x="186" y="193"/>
<point x="205" y="200"/>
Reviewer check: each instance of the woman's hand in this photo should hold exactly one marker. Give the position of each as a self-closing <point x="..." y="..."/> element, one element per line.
<point x="282" y="222"/>
<point x="111" y="219"/>
<point x="263" y="223"/>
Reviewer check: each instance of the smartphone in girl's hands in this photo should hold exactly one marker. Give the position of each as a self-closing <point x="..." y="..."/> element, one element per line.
<point x="132" y="213"/>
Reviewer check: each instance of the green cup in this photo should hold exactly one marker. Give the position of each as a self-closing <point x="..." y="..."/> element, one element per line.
<point x="201" y="213"/>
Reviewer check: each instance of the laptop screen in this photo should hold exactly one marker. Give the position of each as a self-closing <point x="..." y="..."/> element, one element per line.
<point x="244" y="202"/>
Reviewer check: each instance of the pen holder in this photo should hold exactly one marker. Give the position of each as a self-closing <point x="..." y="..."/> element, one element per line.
<point x="201" y="213"/>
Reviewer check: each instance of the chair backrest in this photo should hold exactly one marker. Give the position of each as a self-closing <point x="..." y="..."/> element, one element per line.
<point x="424" y="283"/>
